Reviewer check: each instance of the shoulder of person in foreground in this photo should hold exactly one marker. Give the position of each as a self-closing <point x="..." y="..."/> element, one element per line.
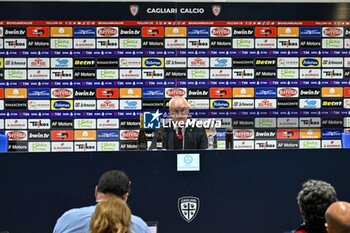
<point x="75" y="220"/>
<point x="138" y="225"/>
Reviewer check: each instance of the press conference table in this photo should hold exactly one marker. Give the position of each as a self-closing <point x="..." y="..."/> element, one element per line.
<point x="244" y="191"/>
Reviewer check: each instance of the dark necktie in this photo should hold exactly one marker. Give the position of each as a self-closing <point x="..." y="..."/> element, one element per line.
<point x="179" y="133"/>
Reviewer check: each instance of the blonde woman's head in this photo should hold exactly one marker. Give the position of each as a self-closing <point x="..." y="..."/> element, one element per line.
<point x="111" y="216"/>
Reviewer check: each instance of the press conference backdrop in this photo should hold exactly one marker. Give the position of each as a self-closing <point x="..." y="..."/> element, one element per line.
<point x="75" y="76"/>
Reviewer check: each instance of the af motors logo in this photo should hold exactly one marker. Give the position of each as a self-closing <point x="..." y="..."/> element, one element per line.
<point x="188" y="207"/>
<point x="134" y="9"/>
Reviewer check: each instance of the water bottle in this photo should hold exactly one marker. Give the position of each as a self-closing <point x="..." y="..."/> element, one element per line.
<point x="229" y="138"/>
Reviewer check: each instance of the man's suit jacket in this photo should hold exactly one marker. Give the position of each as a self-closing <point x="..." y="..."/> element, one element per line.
<point x="195" y="138"/>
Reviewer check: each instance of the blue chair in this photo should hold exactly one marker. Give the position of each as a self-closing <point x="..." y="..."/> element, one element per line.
<point x="3" y="143"/>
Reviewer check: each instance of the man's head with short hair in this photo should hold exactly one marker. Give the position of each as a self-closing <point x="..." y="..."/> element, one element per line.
<point x="113" y="183"/>
<point x="179" y="108"/>
<point x="338" y="217"/>
<point x="314" y="199"/>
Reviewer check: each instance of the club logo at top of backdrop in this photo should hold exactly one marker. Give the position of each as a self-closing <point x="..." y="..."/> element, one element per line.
<point x="188" y="207"/>
<point x="134" y="9"/>
<point x="216" y="9"/>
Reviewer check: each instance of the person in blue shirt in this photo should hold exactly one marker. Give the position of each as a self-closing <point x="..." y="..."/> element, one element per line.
<point x="111" y="184"/>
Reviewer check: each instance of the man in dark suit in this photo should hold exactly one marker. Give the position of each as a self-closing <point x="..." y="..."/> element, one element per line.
<point x="178" y="136"/>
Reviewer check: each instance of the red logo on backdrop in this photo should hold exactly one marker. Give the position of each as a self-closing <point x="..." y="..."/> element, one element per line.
<point x="220" y="92"/>
<point x="288" y="92"/>
<point x="287" y="134"/>
<point x="152" y="31"/>
<point x="107" y="104"/>
<point x="16" y="135"/>
<point x="58" y="135"/>
<point x="176" y="92"/>
<point x="243" y="134"/>
<point x="216" y="9"/>
<point x="221" y="31"/>
<point x="134" y="9"/>
<point x="107" y="93"/>
<point x="265" y="32"/>
<point x="346" y="91"/>
<point x="332" y="31"/>
<point x="130" y="134"/>
<point x="62" y="93"/>
<point x="38" y="31"/>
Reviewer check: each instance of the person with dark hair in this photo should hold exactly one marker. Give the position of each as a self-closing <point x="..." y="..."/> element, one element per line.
<point x="111" y="216"/>
<point x="111" y="184"/>
<point x="313" y="200"/>
<point x="338" y="217"/>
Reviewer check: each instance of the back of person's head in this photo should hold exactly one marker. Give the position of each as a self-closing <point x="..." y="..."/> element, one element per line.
<point x="338" y="217"/>
<point x="114" y="182"/>
<point x="111" y="216"/>
<point x="314" y="199"/>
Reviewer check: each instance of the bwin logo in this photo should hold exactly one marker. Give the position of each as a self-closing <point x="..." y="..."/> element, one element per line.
<point x="188" y="207"/>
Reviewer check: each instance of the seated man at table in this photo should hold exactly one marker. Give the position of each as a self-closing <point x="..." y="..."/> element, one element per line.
<point x="178" y="136"/>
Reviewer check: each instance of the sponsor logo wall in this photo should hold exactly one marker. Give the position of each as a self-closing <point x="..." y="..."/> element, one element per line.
<point x="81" y="86"/>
